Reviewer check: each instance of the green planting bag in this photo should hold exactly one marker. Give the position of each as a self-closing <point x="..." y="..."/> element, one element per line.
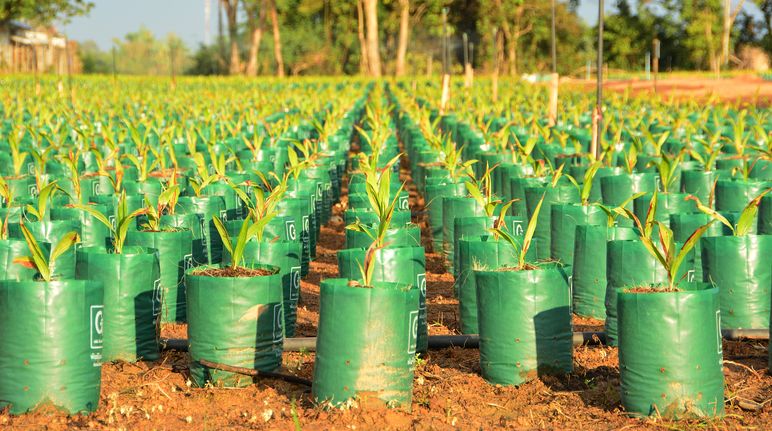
<point x="234" y="321"/>
<point x="193" y="223"/>
<point x="477" y="226"/>
<point x="286" y="256"/>
<point x="233" y="206"/>
<point x="616" y="189"/>
<point x="206" y="207"/>
<point x="92" y="232"/>
<point x="563" y="224"/>
<point x="360" y="201"/>
<point x="562" y="194"/>
<point x="435" y="194"/>
<point x="405" y="236"/>
<point x="739" y="266"/>
<point x="667" y="204"/>
<point x="11" y="249"/>
<point x="765" y="216"/>
<point x="299" y="209"/>
<point x="477" y="253"/>
<point x="698" y="183"/>
<point x="320" y="177"/>
<point x="517" y="188"/>
<point x="402" y="265"/>
<point x="51" y="232"/>
<point x="366" y="344"/>
<point x="670" y="355"/>
<point x="367" y="216"/>
<point x="454" y="207"/>
<point x="630" y="264"/>
<point x="50" y="345"/>
<point x="132" y="295"/>
<point x="175" y="256"/>
<point x="734" y="195"/>
<point x="525" y="324"/>
<point x="589" y="267"/>
<point x="305" y="189"/>
<point x="683" y="225"/>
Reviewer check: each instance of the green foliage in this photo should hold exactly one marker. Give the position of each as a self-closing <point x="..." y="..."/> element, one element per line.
<point x="747" y="216"/>
<point x="521" y="250"/>
<point x="123" y="220"/>
<point x="378" y="189"/>
<point x="666" y="254"/>
<point x="43" y="11"/>
<point x="38" y="260"/>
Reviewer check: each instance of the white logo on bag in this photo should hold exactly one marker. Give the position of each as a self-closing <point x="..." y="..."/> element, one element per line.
<point x="294" y="282"/>
<point x="278" y="323"/>
<point x="517" y="227"/>
<point x="404" y="203"/>
<point x="413" y="335"/>
<point x="97" y="325"/>
<point x="156" y="300"/>
<point x="421" y="281"/>
<point x="690" y="274"/>
<point x="290" y="228"/>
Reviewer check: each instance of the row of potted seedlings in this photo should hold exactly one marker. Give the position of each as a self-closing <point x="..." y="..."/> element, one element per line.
<point x="191" y="233"/>
<point x="689" y="278"/>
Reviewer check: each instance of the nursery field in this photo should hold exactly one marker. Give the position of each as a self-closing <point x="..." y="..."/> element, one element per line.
<point x="345" y="254"/>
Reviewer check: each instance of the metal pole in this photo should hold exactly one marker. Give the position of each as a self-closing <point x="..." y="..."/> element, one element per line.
<point x="465" y="39"/>
<point x="445" y="48"/>
<point x="114" y="68"/>
<point x="599" y="101"/>
<point x="656" y="62"/>
<point x="647" y="65"/>
<point x="554" y="42"/>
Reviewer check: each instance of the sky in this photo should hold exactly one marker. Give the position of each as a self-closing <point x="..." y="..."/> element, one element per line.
<point x="110" y="19"/>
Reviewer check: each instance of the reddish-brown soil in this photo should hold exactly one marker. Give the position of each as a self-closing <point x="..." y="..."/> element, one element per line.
<point x="238" y="272"/>
<point x="449" y="392"/>
<point x="749" y="89"/>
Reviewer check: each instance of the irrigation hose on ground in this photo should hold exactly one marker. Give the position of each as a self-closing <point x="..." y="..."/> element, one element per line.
<point x="471" y="341"/>
<point x="254" y="373"/>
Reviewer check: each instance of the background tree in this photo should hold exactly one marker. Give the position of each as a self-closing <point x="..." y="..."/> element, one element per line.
<point x="404" y="35"/>
<point x="373" y="37"/>
<point x="277" y="54"/>
<point x="43" y="11"/>
<point x="255" y="11"/>
<point x="231" y="13"/>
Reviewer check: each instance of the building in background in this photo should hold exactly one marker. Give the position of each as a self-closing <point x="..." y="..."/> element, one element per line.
<point x="24" y="49"/>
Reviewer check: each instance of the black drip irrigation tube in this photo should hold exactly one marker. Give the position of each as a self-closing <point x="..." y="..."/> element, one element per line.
<point x="472" y="341"/>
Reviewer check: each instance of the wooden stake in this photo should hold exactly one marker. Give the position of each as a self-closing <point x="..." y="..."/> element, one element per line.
<point x="554" y="85"/>
<point x="445" y="100"/>
<point x="495" y="79"/>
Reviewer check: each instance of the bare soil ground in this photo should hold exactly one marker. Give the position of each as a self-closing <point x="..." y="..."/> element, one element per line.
<point x="744" y="89"/>
<point x="449" y="392"/>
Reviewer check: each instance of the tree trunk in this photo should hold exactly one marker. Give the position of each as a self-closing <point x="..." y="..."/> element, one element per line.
<point x="714" y="63"/>
<point x="729" y="17"/>
<point x="404" y="29"/>
<point x="513" y="41"/>
<point x="276" y="39"/>
<point x="364" y="68"/>
<point x="373" y="45"/>
<point x="256" y="34"/>
<point x="231" y="11"/>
